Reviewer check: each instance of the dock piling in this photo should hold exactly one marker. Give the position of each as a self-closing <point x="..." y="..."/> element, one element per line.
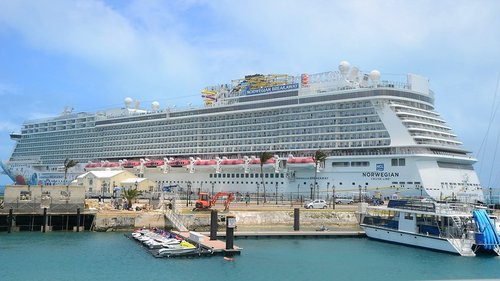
<point x="213" y="225"/>
<point x="78" y="220"/>
<point x="230" y="225"/>
<point x="296" y="219"/>
<point x="9" y="221"/>
<point x="44" y="219"/>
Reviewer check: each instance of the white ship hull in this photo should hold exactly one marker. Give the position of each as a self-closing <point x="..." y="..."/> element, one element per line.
<point x="379" y="136"/>
<point x="421" y="176"/>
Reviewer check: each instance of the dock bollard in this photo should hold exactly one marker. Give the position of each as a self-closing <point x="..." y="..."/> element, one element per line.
<point x="9" y="221"/>
<point x="78" y="220"/>
<point x="296" y="219"/>
<point x="213" y="225"/>
<point x="44" y="219"/>
<point x="230" y="225"/>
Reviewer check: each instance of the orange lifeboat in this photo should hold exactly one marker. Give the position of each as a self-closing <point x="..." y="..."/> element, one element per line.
<point x="257" y="161"/>
<point x="178" y="162"/>
<point x="111" y="165"/>
<point x="154" y="163"/>
<point x="131" y="164"/>
<point x="95" y="165"/>
<point x="200" y="162"/>
<point x="232" y="162"/>
<point x="300" y="161"/>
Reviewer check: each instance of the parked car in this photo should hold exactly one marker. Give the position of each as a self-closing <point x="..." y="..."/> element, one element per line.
<point x="316" y="204"/>
<point x="344" y="200"/>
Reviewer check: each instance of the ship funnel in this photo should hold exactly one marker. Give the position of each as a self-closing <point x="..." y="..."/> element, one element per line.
<point x="128" y="102"/>
<point x="155" y="106"/>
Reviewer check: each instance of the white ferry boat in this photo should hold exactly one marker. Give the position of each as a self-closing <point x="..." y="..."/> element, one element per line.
<point x="379" y="136"/>
<point x="449" y="227"/>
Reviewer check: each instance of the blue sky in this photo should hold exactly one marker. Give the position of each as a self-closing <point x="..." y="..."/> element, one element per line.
<point x="92" y="54"/>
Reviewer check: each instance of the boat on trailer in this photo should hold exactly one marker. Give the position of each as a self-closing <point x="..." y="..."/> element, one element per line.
<point x="450" y="227"/>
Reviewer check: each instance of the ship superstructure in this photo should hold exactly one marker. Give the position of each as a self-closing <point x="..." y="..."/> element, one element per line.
<point x="379" y="135"/>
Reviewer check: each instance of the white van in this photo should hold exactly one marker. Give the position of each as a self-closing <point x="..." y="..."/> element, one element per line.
<point x="344" y="199"/>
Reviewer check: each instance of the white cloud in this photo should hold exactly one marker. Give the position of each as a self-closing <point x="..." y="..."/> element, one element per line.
<point x="7" y="126"/>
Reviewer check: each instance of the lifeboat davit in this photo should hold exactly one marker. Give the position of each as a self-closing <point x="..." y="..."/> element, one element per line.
<point x="178" y="162"/>
<point x="154" y="163"/>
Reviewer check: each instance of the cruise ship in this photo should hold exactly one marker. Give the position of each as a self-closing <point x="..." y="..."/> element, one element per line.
<point x="380" y="136"/>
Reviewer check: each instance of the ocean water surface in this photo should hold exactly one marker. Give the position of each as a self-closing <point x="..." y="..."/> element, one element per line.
<point x="111" y="256"/>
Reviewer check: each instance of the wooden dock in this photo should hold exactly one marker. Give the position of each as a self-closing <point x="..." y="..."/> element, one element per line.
<point x="216" y="246"/>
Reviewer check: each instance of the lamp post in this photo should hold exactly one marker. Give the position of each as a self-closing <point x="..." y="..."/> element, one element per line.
<point x="136" y="183"/>
<point x="264" y="186"/>
<point x="258" y="193"/>
<point x="311" y="186"/>
<point x="327" y="194"/>
<point x="276" y="193"/>
<point x="317" y="191"/>
<point x="333" y="196"/>
<point x="490" y="195"/>
<point x="213" y="183"/>
<point x="360" y="198"/>
<point x="298" y="192"/>
<point x="188" y="201"/>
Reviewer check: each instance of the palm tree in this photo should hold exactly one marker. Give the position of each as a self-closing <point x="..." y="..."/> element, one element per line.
<point x="264" y="156"/>
<point x="319" y="156"/>
<point x="67" y="165"/>
<point x="130" y="195"/>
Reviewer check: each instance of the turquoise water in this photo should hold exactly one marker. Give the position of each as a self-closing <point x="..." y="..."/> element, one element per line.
<point x="111" y="256"/>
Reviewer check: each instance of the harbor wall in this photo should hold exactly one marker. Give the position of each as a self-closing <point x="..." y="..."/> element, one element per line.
<point x="245" y="220"/>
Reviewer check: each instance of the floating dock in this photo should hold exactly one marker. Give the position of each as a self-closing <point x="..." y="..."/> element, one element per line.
<point x="204" y="247"/>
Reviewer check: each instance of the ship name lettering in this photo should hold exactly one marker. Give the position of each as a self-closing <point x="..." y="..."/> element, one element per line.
<point x="380" y="174"/>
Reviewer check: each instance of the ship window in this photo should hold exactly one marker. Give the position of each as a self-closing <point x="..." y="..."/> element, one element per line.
<point x="394" y="162"/>
<point x="402" y="162"/>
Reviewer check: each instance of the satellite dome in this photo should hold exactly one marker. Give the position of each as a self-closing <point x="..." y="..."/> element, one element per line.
<point x="128" y="102"/>
<point x="375" y="76"/>
<point x="155" y="105"/>
<point x="344" y="67"/>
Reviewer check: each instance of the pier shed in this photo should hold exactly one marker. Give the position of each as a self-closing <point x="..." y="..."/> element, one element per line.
<point x="44" y="208"/>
